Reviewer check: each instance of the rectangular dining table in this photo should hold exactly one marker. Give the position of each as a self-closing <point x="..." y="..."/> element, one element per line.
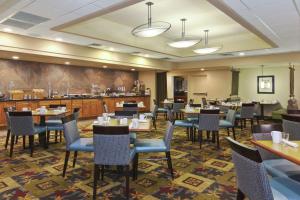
<point x="282" y="150"/>
<point x="196" y="110"/>
<point x="43" y="115"/>
<point x="144" y="126"/>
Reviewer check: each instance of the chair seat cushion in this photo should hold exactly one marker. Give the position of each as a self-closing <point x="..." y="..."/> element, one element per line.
<point x="225" y="124"/>
<point x="193" y="119"/>
<point x="82" y="144"/>
<point x="132" y="138"/>
<point x="150" y="145"/>
<point x="256" y="115"/>
<point x="281" y="168"/>
<point x="183" y="123"/>
<point x="39" y="129"/>
<point x="164" y="110"/>
<point x="55" y="127"/>
<point x="285" y="188"/>
<point x="238" y="116"/>
<point x="53" y="121"/>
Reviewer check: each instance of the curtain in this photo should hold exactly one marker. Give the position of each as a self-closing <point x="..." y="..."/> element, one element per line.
<point x="235" y="83"/>
<point x="161" y="86"/>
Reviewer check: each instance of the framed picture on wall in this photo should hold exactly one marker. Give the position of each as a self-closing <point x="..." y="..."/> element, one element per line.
<point x="265" y="85"/>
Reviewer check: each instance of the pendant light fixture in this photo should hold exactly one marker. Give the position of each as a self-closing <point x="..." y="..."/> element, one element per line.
<point x="184" y="42"/>
<point x="207" y="49"/>
<point x="151" y="29"/>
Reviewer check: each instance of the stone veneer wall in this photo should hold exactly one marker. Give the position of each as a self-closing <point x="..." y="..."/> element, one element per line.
<point x="28" y="75"/>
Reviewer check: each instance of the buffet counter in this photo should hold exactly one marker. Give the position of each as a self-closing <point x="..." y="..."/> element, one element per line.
<point x="90" y="107"/>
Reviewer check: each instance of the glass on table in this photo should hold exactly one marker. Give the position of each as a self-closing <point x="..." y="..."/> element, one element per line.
<point x="135" y="116"/>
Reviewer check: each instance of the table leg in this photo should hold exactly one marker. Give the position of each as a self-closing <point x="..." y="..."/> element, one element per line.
<point x="42" y="136"/>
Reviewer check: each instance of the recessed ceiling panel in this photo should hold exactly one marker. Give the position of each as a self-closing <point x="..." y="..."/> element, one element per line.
<point x="116" y="27"/>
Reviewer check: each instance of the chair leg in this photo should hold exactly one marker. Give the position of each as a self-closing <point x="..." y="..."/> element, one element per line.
<point x="48" y="137"/>
<point x="7" y="138"/>
<point x="240" y="195"/>
<point x="102" y="173"/>
<point x="251" y="125"/>
<point x="17" y="139"/>
<point x="154" y="122"/>
<point x="233" y="132"/>
<point x="56" y="132"/>
<point x="12" y="142"/>
<point x="218" y="138"/>
<point x="24" y="142"/>
<point x="66" y="163"/>
<point x="228" y="133"/>
<point x="257" y="120"/>
<point x="127" y="180"/>
<point x="31" y="140"/>
<point x="96" y="177"/>
<point x="200" y="138"/>
<point x="60" y="136"/>
<point x="75" y="158"/>
<point x="168" y="155"/>
<point x="136" y="166"/>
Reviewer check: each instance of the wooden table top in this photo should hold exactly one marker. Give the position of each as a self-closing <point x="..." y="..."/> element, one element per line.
<point x="195" y="111"/>
<point x="49" y="113"/>
<point x="143" y="126"/>
<point x="121" y="106"/>
<point x="284" y="151"/>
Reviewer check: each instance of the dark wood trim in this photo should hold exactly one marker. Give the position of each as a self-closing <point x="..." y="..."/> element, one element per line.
<point x="68" y="118"/>
<point x="267" y="128"/>
<point x="20" y="113"/>
<point x="291" y="117"/>
<point x="111" y="130"/>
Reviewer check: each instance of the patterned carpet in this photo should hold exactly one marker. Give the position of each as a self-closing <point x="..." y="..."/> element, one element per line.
<point x="199" y="174"/>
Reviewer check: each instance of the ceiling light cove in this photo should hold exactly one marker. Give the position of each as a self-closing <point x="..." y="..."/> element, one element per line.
<point x="184" y="42"/>
<point x="9" y="30"/>
<point x="16" y="57"/>
<point x="207" y="49"/>
<point x="59" y="39"/>
<point x="151" y="29"/>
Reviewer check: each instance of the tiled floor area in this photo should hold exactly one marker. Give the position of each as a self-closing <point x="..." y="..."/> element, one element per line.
<point x="205" y="173"/>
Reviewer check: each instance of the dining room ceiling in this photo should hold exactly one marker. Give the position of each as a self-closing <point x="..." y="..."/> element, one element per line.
<point x="107" y="24"/>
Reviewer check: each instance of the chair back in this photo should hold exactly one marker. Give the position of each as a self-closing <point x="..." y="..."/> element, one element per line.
<point x="266" y="128"/>
<point x="71" y="133"/>
<point x="209" y="120"/>
<point x="154" y="111"/>
<point x="251" y="174"/>
<point x="177" y="107"/>
<point x="230" y="116"/>
<point x="21" y="123"/>
<point x="293" y="112"/>
<point x="191" y="101"/>
<point x="257" y="109"/>
<point x="6" y="113"/>
<point x="291" y="125"/>
<point x="247" y="110"/>
<point x="105" y="107"/>
<point x="76" y="112"/>
<point x="265" y="155"/>
<point x="53" y="106"/>
<point x="125" y="113"/>
<point x="195" y="105"/>
<point x="170" y="115"/>
<point x="168" y="135"/>
<point x="204" y="102"/>
<point x="111" y="145"/>
<point x="130" y="106"/>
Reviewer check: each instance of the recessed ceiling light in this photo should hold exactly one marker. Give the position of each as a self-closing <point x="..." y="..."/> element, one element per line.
<point x="111" y="49"/>
<point x="147" y="55"/>
<point x="58" y="39"/>
<point x="67" y="63"/>
<point x="104" y="66"/>
<point x="15" y="57"/>
<point x="202" y="69"/>
<point x="7" y="30"/>
<point x="132" y="69"/>
<point x="241" y="54"/>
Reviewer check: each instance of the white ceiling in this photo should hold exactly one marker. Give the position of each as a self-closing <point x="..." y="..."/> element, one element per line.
<point x="277" y="19"/>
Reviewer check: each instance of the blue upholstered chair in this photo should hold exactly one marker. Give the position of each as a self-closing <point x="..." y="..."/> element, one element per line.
<point x="257" y="111"/>
<point x="55" y="123"/>
<point x="247" y="113"/>
<point x="156" y="145"/>
<point x="275" y="166"/>
<point x="209" y="122"/>
<point x="229" y="122"/>
<point x="177" y="106"/>
<point x="6" y="114"/>
<point x="291" y="125"/>
<point x="73" y="140"/>
<point x="159" y="109"/>
<point x="130" y="107"/>
<point x="252" y="178"/>
<point x="21" y="124"/>
<point x="112" y="147"/>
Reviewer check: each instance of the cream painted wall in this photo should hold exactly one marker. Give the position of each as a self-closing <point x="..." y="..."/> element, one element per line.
<point x="148" y="77"/>
<point x="248" y="84"/>
<point x="216" y="83"/>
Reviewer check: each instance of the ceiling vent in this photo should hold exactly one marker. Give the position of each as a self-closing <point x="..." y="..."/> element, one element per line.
<point x="166" y="58"/>
<point x="95" y="45"/>
<point x="24" y="20"/>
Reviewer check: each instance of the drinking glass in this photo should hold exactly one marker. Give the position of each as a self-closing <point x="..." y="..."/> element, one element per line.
<point x="134" y="116"/>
